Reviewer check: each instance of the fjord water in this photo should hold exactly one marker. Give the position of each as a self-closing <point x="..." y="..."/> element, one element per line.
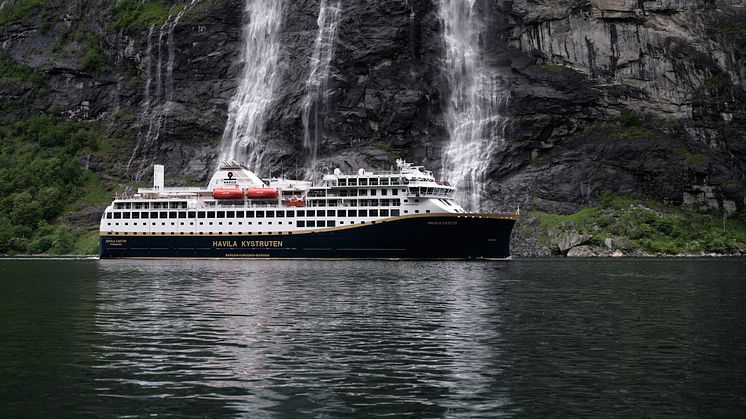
<point x="527" y="338"/>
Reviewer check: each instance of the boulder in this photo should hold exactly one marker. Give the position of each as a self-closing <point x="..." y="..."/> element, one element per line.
<point x="569" y="240"/>
<point x="581" y="252"/>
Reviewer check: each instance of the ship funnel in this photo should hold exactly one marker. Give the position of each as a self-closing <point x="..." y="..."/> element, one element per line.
<point x="158" y="176"/>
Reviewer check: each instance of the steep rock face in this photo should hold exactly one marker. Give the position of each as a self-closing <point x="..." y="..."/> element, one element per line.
<point x="631" y="96"/>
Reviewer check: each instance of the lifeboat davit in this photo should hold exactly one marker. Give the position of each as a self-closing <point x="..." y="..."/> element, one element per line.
<point x="262" y="193"/>
<point x="227" y="193"/>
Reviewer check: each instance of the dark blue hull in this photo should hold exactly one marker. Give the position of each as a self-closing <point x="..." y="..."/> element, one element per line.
<point x="436" y="236"/>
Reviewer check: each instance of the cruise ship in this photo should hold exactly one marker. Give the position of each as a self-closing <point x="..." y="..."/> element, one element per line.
<point x="399" y="214"/>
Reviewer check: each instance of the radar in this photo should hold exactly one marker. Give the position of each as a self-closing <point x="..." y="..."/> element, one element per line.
<point x="361" y="172"/>
<point x="337" y="172"/>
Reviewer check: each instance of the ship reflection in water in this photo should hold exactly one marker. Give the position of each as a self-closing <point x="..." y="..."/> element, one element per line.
<point x="549" y="338"/>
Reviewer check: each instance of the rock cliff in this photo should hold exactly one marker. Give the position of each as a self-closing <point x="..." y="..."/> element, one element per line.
<point x="635" y="97"/>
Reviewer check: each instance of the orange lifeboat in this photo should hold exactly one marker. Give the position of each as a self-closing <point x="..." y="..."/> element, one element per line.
<point x="295" y="202"/>
<point x="227" y="193"/>
<point x="262" y="193"/>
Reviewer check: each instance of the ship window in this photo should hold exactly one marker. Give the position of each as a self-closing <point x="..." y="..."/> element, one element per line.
<point x="230" y="214"/>
<point x="249" y="214"/>
<point x="301" y="213"/>
<point x="191" y="223"/>
<point x="395" y="181"/>
<point x="239" y="214"/>
<point x="221" y="214"/>
<point x="416" y="211"/>
<point x="126" y="215"/>
<point x="310" y="223"/>
<point x="210" y="214"/>
<point x="352" y="213"/>
<point x="394" y="192"/>
<point x="301" y="223"/>
<point x="240" y="223"/>
<point x="108" y="215"/>
<point x="291" y="214"/>
<point x="416" y="200"/>
<point x="270" y="214"/>
<point x="260" y="223"/>
<point x="362" y="222"/>
<point x="427" y="211"/>
<point x="372" y="192"/>
<point x="220" y="223"/>
<point x="136" y="215"/>
<point x="181" y="223"/>
<point x="192" y="214"/>
<point x="374" y="213"/>
<point x="260" y="214"/>
<point x="374" y="182"/>
<point x="164" y="214"/>
<point x="342" y="182"/>
<point x="384" y="213"/>
<point x="118" y="205"/>
<point x="144" y="215"/>
<point x="200" y="214"/>
<point x="172" y="214"/>
<point x="384" y="181"/>
<point x="210" y="223"/>
<point x="127" y="205"/>
<point x="406" y="211"/>
<point x="384" y="192"/>
<point x="310" y="213"/>
<point x="117" y="215"/>
<point x="341" y="222"/>
<point x="341" y="213"/>
<point x="182" y="214"/>
<point x="280" y="214"/>
<point x="173" y="205"/>
<point x="363" y="192"/>
<point x="230" y="223"/>
<point x="329" y="223"/>
<point x="172" y="223"/>
<point x="321" y="213"/>
<point x="363" y="213"/>
<point x="201" y="223"/>
<point x="352" y="182"/>
<point x="270" y="223"/>
<point x="363" y="182"/>
<point x="116" y="224"/>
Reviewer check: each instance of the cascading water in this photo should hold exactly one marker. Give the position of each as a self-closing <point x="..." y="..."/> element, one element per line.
<point x="478" y="96"/>
<point x="261" y="74"/>
<point x="156" y="108"/>
<point x="315" y="101"/>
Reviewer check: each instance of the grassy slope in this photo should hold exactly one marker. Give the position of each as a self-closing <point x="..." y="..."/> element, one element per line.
<point x="649" y="227"/>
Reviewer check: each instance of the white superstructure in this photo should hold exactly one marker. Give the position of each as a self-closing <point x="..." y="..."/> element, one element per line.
<point x="236" y="201"/>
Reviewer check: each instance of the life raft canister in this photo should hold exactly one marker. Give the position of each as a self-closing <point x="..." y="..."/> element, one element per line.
<point x="262" y="193"/>
<point x="227" y="193"/>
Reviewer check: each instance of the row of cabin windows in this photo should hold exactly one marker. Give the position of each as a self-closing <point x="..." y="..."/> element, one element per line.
<point x="353" y="192"/>
<point x="384" y="181"/>
<point x="251" y="214"/>
<point x="151" y="205"/>
<point x="299" y="223"/>
<point x="354" y="202"/>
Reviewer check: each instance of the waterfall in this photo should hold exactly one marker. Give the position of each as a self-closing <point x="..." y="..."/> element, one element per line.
<point x="317" y="92"/>
<point x="259" y="80"/>
<point x="157" y="107"/>
<point x="478" y="95"/>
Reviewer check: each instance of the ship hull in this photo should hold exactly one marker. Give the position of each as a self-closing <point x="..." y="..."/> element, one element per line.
<point x="425" y="236"/>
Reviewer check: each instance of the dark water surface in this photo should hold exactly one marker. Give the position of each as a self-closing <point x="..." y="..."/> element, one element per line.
<point x="527" y="338"/>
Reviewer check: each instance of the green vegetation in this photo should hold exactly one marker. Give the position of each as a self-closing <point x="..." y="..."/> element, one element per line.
<point x="10" y="69"/>
<point x="629" y="125"/>
<point x="16" y="11"/>
<point x="131" y="14"/>
<point x="651" y="227"/>
<point x="41" y="178"/>
<point x="551" y="68"/>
